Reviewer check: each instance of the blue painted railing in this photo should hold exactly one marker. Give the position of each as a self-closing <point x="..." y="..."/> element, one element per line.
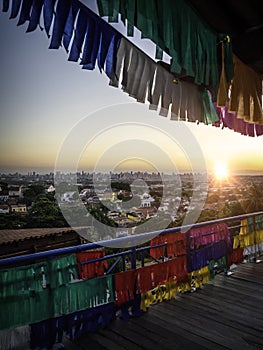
<point x="131" y="241"/>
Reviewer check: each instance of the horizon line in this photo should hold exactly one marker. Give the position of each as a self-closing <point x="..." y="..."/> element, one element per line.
<point x="182" y="172"/>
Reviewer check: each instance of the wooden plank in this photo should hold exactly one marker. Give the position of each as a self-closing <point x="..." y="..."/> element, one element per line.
<point x="236" y="282"/>
<point x="143" y="337"/>
<point x="235" y="323"/>
<point x="247" y="322"/>
<point x="226" y="314"/>
<point x="114" y="341"/>
<point x="84" y="342"/>
<point x="176" y="337"/>
<point x="163" y="338"/>
<point x="235" y="294"/>
<point x="150" y="336"/>
<point x="243" y="277"/>
<point x="192" y="324"/>
<point x="225" y="297"/>
<point x="204" y="327"/>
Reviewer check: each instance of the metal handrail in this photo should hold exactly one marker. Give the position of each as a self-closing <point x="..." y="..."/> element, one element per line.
<point x="131" y="241"/>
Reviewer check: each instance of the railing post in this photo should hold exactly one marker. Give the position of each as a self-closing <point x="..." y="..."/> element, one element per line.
<point x="142" y="259"/>
<point x="123" y="263"/>
<point x="255" y="243"/>
<point x="133" y="258"/>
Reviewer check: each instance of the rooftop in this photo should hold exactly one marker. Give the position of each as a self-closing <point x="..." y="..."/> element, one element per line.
<point x="8" y="236"/>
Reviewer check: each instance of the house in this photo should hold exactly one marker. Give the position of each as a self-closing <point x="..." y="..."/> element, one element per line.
<point x="146" y="200"/>
<point x="164" y="207"/>
<point x="50" y="189"/>
<point x="4" y="209"/>
<point x="113" y="214"/>
<point x="4" y="198"/>
<point x="19" y="208"/>
<point x="93" y="200"/>
<point x="107" y="196"/>
<point x="68" y="196"/>
<point x="15" y="191"/>
<point x="147" y="212"/>
<point x="87" y="192"/>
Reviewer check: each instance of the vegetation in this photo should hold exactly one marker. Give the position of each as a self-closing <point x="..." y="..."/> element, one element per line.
<point x="32" y="193"/>
<point x="99" y="213"/>
<point x="13" y="220"/>
<point x="254" y="202"/>
<point x="4" y="188"/>
<point x="124" y="186"/>
<point x="43" y="211"/>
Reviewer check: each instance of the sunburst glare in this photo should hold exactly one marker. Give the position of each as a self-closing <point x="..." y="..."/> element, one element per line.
<point x="221" y="171"/>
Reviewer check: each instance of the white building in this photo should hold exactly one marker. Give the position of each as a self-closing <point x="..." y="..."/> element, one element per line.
<point x="50" y="189"/>
<point x="15" y="191"/>
<point x="68" y="196"/>
<point x="146" y="200"/>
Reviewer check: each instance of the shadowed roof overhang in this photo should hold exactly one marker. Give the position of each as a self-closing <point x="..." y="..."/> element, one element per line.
<point x="242" y="20"/>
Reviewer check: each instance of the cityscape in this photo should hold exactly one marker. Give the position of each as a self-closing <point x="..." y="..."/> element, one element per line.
<point x="124" y="200"/>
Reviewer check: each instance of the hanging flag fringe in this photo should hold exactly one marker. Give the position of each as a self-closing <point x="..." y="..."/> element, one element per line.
<point x="85" y="36"/>
<point x="91" y="42"/>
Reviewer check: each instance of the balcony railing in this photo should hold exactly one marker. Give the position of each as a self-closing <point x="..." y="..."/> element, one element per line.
<point x="131" y="240"/>
<point x="76" y="289"/>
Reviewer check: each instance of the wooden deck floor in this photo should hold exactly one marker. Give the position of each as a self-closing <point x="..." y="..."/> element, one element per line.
<point x="226" y="314"/>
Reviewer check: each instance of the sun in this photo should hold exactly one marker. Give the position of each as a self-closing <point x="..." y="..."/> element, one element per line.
<point x="221" y="171"/>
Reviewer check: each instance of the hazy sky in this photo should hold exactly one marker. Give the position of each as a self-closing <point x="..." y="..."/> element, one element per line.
<point x="47" y="101"/>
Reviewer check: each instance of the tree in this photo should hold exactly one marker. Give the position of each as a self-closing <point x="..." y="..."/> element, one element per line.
<point x="32" y="193"/>
<point x="254" y="202"/>
<point x="45" y="213"/>
<point x="4" y="188"/>
<point x="13" y="220"/>
<point x="121" y="186"/>
<point x="207" y="215"/>
<point x="213" y="198"/>
<point x="231" y="209"/>
<point x="99" y="214"/>
<point x="120" y="196"/>
<point x="103" y="227"/>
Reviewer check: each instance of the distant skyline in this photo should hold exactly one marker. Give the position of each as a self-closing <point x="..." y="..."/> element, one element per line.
<point x="28" y="172"/>
<point x="44" y="97"/>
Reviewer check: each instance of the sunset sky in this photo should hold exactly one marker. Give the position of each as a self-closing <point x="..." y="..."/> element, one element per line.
<point x="45" y="101"/>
